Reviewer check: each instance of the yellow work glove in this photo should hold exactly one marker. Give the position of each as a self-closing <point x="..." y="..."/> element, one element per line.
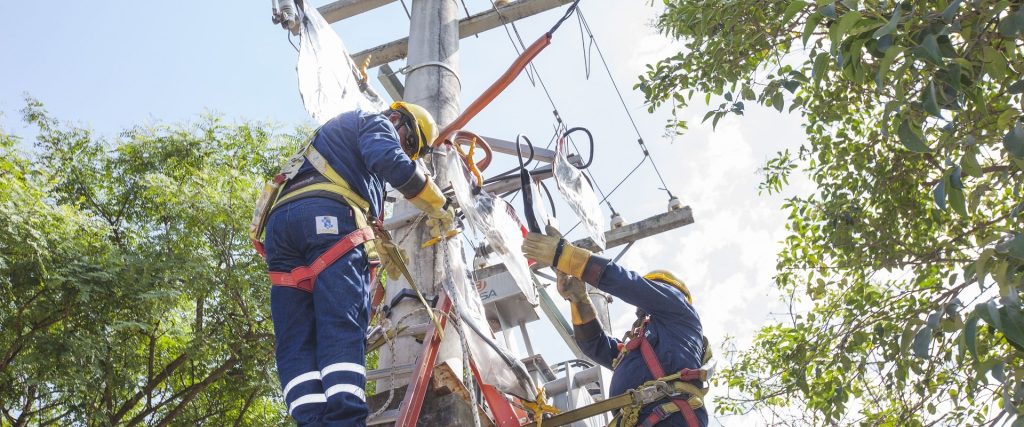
<point x="440" y="213"/>
<point x="555" y="251"/>
<point x="391" y="266"/>
<point x="575" y="291"/>
<point x="571" y="288"/>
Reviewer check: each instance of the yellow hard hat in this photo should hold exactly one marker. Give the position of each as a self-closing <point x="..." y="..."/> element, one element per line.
<point x="419" y="142"/>
<point x="666" y="277"/>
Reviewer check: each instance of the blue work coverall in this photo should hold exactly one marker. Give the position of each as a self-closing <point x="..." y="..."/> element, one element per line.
<point x="674" y="332"/>
<point x="320" y="337"/>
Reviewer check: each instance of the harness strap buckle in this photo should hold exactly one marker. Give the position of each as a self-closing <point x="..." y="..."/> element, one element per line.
<point x="653" y="392"/>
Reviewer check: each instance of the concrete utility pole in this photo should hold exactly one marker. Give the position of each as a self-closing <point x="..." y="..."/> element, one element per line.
<point x="433" y="38"/>
<point x="433" y="84"/>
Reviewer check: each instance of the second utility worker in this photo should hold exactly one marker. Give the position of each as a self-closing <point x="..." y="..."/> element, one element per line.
<point x="666" y="344"/>
<point x="319" y="249"/>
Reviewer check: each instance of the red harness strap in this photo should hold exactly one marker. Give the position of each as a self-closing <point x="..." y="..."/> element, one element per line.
<point x="303" y="278"/>
<point x="654" y="365"/>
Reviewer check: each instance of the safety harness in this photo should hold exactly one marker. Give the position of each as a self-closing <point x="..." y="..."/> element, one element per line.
<point x="685" y="388"/>
<point x="326" y="182"/>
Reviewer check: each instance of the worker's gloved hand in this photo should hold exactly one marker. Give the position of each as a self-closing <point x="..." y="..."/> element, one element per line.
<point x="391" y="266"/>
<point x="571" y="288"/>
<point x="555" y="251"/>
<point x="440" y="213"/>
<point x="440" y="222"/>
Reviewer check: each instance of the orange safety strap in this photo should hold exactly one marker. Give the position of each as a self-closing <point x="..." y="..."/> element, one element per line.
<point x="495" y="89"/>
<point x="303" y="278"/>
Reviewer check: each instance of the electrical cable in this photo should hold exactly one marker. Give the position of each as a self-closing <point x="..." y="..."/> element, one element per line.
<point x="590" y="138"/>
<point x="575" y="5"/>
<point x="529" y="144"/>
<point x="622" y="181"/>
<point x="407" y="14"/>
<point x="531" y="67"/>
<point x="640" y="140"/>
<point x="526" y="185"/>
<point x="551" y="200"/>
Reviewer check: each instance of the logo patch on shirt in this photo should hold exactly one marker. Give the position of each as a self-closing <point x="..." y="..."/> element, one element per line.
<point x="326" y="225"/>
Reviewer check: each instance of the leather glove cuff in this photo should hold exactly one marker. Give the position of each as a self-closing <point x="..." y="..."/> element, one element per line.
<point x="429" y="200"/>
<point x="572" y="260"/>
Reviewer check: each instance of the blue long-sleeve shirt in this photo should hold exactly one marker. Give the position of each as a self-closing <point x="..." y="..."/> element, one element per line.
<point x="364" y="149"/>
<point x="674" y="331"/>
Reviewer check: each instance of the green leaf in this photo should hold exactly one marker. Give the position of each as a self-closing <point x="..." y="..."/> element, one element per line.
<point x="971" y="334"/>
<point x="1013" y="247"/>
<point x="791" y="10"/>
<point x="884" y="64"/>
<point x="791" y="85"/>
<point x="1012" y="25"/>
<point x="969" y="164"/>
<point x="829" y="10"/>
<point x="1016" y="87"/>
<point x="956" y="200"/>
<point x="890" y="26"/>
<point x="839" y="29"/>
<point x="748" y="93"/>
<point x="1013" y="325"/>
<point x="910" y="136"/>
<point x="929" y="50"/>
<point x="930" y="105"/>
<point x="950" y="12"/>
<point x="955" y="179"/>
<point x="820" y="67"/>
<point x="809" y="26"/>
<point x="995" y="62"/>
<point x="922" y="342"/>
<point x="778" y="102"/>
<point x="708" y="115"/>
<point x="939" y="194"/>
<point x="1013" y="141"/>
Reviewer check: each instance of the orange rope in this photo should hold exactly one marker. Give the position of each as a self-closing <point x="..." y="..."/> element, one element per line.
<point x="495" y="89"/>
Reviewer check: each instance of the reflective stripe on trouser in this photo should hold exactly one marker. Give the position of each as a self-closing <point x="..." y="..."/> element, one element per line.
<point x="320" y="337"/>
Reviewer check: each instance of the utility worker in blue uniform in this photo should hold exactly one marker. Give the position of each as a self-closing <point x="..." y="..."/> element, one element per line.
<point x="667" y="341"/>
<point x="320" y="253"/>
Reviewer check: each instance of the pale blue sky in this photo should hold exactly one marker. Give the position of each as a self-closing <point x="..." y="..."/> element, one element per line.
<point x="109" y="65"/>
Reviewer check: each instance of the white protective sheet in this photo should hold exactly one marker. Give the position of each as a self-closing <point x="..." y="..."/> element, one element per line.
<point x="493" y="366"/>
<point x="327" y="75"/>
<point x="579" y="195"/>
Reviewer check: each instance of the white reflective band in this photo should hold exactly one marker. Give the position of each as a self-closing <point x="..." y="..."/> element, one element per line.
<point x="308" y="376"/>
<point x="346" y="388"/>
<point x="309" y="398"/>
<point x="349" y="367"/>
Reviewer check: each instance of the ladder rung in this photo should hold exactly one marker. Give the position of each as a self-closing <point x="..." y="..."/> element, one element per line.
<point x="389" y="416"/>
<point x="378" y="374"/>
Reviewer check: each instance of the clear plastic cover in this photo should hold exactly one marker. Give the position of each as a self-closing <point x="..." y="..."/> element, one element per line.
<point x="495" y="219"/>
<point x="488" y="215"/>
<point x="579" y="195"/>
<point x="327" y="74"/>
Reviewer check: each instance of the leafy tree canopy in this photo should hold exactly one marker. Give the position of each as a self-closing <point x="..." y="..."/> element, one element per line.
<point x="907" y="259"/>
<point x="129" y="294"/>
